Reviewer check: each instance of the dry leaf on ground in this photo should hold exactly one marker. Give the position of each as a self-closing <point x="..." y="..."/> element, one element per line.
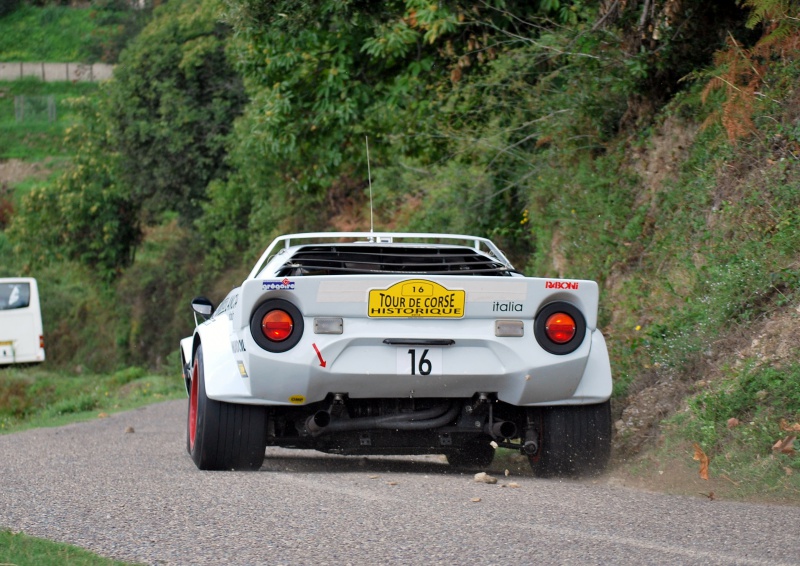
<point x="785" y="446"/>
<point x="786" y="427"/>
<point x="700" y="456"/>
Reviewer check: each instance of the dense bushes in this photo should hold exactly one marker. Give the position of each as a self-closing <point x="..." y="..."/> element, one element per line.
<point x="508" y="119"/>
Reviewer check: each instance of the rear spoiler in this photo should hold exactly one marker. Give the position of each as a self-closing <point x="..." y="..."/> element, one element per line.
<point x="284" y="242"/>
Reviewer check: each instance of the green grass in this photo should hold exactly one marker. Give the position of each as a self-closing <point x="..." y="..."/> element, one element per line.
<point x="21" y="550"/>
<point x="36" y="138"/>
<point x="32" y="397"/>
<point x="764" y="399"/>
<point x="761" y="398"/>
<point x="53" y="34"/>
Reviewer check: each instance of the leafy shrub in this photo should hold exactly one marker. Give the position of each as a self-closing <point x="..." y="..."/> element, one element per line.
<point x="8" y="6"/>
<point x="153" y="296"/>
<point x="14" y="402"/>
<point x="77" y="404"/>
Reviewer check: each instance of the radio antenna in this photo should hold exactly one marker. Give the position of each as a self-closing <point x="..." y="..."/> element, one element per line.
<point x="369" y="178"/>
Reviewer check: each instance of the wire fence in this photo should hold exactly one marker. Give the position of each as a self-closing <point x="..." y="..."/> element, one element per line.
<point x="35" y="108"/>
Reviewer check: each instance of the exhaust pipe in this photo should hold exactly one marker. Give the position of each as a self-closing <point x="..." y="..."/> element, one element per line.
<point x="435" y="417"/>
<point x="501" y="429"/>
<point x="317" y="422"/>
<point x="531" y="444"/>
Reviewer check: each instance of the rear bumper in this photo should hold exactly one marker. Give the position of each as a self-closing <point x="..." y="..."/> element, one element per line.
<point x="516" y="371"/>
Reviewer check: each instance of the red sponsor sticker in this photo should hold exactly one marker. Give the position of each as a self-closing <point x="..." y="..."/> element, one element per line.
<point x="571" y="285"/>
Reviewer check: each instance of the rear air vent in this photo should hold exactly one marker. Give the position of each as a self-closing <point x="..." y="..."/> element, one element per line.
<point x="391" y="259"/>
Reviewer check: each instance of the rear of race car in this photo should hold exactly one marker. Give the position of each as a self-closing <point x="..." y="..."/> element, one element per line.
<point x="399" y="363"/>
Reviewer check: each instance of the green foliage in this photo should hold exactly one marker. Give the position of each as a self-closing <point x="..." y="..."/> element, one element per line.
<point x="118" y="22"/>
<point x="153" y="296"/>
<point x="739" y="259"/>
<point x="433" y="199"/>
<point x="54" y="34"/>
<point x="139" y="320"/>
<point x="170" y="109"/>
<point x="778" y="17"/>
<point x="18" y="548"/>
<point x="753" y="392"/>
<point x="37" y="139"/>
<point x="149" y="143"/>
<point x="79" y="316"/>
<point x="85" y="216"/>
<point x="322" y="77"/>
<point x="35" y="397"/>
<point x="9" y="6"/>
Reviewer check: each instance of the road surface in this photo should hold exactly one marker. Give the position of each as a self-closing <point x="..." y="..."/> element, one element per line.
<point x="124" y="487"/>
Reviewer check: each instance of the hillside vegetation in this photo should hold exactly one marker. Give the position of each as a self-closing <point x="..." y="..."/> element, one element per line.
<point x="55" y="33"/>
<point x="652" y="146"/>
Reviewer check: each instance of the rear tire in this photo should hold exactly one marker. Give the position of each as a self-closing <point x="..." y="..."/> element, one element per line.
<point x="573" y="440"/>
<point x="222" y="436"/>
<point x="476" y="454"/>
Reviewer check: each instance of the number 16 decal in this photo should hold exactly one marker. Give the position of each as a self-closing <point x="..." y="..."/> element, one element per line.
<point x="419" y="361"/>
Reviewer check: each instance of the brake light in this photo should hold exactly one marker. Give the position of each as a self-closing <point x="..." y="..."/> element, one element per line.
<point x="560" y="327"/>
<point x="277" y="325"/>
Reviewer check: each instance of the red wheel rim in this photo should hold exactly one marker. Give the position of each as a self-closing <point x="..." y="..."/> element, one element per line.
<point x="193" y="406"/>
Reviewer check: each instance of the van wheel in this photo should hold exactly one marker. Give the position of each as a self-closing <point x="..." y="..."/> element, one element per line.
<point x="222" y="436"/>
<point x="573" y="440"/>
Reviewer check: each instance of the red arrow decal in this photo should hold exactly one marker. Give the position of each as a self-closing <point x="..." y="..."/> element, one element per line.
<point x="322" y="362"/>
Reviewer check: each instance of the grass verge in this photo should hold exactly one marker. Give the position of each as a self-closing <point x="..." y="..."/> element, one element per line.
<point x="32" y="397"/>
<point x="735" y="439"/>
<point x="21" y="550"/>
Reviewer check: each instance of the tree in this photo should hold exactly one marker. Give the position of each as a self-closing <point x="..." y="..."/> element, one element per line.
<point x="323" y="76"/>
<point x="149" y="145"/>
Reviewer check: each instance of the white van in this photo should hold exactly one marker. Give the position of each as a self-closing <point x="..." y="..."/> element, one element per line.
<point x="21" y="335"/>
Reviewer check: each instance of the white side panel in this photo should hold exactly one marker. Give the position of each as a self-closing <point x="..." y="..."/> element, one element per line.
<point x="223" y="379"/>
<point x="21" y="328"/>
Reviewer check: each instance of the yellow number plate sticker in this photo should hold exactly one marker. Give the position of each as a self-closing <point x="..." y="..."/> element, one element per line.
<point x="416" y="298"/>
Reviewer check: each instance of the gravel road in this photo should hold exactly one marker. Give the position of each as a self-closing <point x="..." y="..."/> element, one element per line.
<point x="136" y="496"/>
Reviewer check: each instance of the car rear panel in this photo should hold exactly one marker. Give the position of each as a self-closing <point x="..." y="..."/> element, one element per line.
<point x="361" y="364"/>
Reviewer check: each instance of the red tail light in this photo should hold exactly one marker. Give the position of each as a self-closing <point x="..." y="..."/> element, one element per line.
<point x="41" y="342"/>
<point x="277" y="325"/>
<point x="560" y="327"/>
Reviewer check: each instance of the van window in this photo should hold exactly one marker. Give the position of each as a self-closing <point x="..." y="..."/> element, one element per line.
<point x="14" y="296"/>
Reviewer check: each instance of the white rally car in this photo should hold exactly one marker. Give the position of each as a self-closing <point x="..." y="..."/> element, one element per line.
<point x="384" y="343"/>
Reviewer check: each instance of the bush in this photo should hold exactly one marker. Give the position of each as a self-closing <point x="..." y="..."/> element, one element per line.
<point x="8" y="6"/>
